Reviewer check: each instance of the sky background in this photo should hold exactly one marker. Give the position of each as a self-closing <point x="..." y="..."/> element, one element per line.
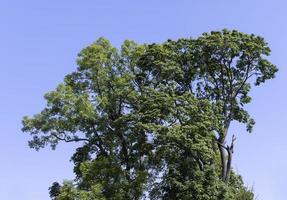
<point x="39" y="42"/>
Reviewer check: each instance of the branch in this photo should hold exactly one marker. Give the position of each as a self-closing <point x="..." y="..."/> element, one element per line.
<point x="100" y="144"/>
<point x="232" y="143"/>
<point x="65" y="139"/>
<point x="247" y="76"/>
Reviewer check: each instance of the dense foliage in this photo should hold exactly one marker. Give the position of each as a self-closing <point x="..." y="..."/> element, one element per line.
<point x="152" y="120"/>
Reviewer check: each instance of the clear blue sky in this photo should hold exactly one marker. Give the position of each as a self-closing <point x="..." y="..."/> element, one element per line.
<point x="39" y="41"/>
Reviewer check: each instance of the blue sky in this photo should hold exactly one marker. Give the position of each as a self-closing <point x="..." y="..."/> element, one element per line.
<point x="39" y="41"/>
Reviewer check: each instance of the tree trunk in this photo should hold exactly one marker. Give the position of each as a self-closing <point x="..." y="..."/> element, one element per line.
<point x="225" y="153"/>
<point x="223" y="160"/>
<point x="228" y="165"/>
<point x="229" y="150"/>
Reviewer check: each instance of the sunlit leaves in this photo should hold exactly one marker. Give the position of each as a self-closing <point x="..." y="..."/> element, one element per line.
<point x="148" y="118"/>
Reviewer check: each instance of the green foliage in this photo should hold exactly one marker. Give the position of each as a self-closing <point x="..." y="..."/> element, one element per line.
<point x="69" y="192"/>
<point x="152" y="119"/>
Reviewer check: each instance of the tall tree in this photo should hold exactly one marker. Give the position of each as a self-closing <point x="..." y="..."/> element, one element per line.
<point x="218" y="66"/>
<point x="229" y="61"/>
<point x="152" y="120"/>
<point x="94" y="106"/>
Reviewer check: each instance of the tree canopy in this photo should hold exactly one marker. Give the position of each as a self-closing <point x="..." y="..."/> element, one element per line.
<point x="152" y="119"/>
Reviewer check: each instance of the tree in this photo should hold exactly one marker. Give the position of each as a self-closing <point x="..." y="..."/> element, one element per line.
<point x="152" y="119"/>
<point x="230" y="61"/>
<point x="220" y="67"/>
<point x="92" y="107"/>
